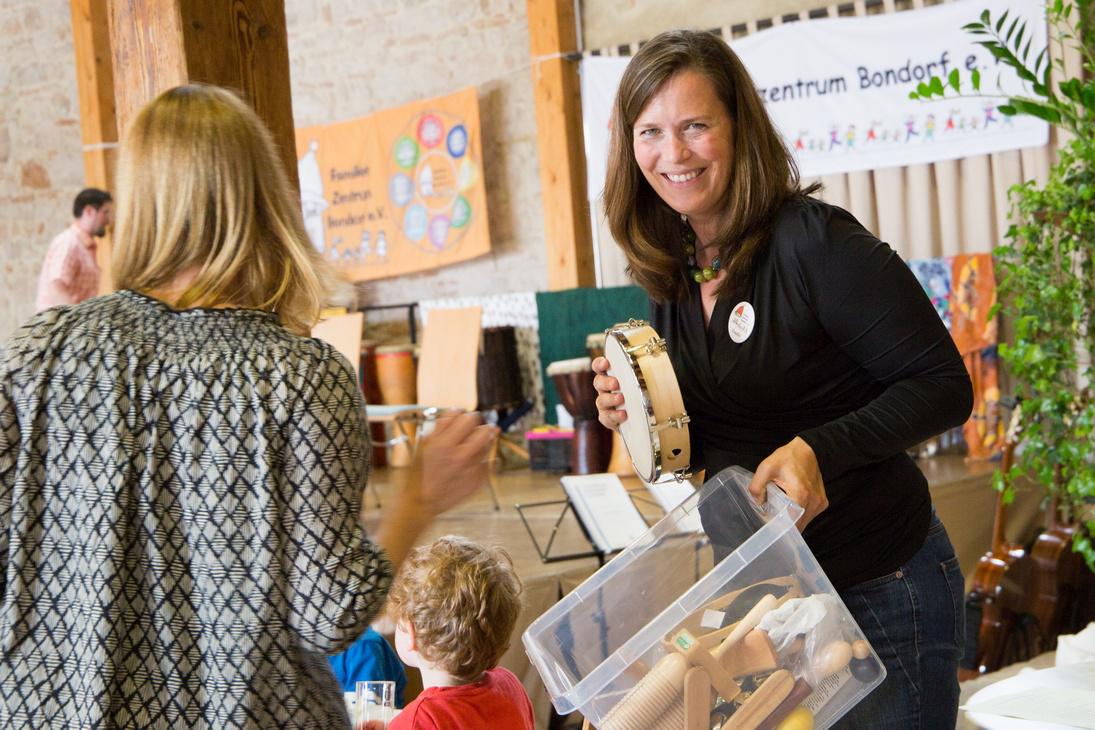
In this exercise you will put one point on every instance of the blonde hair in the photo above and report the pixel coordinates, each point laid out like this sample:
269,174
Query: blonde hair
462,599
201,188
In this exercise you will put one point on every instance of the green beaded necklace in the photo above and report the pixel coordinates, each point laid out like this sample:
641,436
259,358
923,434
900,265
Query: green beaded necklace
707,273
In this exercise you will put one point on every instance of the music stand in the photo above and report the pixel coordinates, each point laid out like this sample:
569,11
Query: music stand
594,552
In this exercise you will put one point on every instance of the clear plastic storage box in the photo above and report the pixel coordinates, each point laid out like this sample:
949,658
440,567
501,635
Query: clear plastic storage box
720,616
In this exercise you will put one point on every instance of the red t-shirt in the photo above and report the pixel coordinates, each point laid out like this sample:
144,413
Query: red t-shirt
496,701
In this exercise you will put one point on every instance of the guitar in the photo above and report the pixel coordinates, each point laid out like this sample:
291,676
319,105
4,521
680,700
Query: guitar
1062,598
998,600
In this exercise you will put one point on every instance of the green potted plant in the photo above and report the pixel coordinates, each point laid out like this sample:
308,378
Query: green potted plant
1046,270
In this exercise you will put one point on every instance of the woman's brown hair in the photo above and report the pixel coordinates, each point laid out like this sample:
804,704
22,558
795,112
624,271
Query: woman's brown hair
763,174
201,188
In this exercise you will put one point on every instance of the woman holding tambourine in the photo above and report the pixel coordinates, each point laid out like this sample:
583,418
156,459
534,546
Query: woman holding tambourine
805,351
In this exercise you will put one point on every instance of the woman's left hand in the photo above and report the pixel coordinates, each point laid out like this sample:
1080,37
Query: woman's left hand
793,467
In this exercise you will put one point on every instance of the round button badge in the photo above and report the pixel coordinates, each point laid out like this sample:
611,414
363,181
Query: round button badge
742,319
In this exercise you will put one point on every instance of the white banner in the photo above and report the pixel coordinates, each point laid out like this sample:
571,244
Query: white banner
837,88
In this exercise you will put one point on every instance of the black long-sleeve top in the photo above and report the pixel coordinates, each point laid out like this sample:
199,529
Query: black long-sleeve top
845,351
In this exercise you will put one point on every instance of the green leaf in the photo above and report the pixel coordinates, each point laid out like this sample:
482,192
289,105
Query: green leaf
953,79
1041,58
1011,29
936,86
924,90
1007,110
975,79
1001,21
1072,89
1036,109
913,95
985,16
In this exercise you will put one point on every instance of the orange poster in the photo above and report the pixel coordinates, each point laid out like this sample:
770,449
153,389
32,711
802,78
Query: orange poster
399,191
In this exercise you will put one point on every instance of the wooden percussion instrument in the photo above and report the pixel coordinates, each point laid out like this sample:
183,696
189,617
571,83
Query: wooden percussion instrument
656,429
498,373
618,460
395,374
370,386
592,441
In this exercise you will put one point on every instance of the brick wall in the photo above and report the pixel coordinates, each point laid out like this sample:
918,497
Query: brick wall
41,167
348,58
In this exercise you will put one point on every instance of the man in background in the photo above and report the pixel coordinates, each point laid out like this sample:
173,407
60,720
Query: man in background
70,273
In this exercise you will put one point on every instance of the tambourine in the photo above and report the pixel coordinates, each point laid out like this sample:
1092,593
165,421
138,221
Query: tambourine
656,429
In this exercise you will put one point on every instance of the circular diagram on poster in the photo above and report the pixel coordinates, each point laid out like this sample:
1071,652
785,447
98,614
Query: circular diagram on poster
431,174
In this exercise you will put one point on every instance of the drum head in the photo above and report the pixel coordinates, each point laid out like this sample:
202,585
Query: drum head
636,429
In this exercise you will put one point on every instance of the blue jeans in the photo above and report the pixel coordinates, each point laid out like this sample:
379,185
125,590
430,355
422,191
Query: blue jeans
914,620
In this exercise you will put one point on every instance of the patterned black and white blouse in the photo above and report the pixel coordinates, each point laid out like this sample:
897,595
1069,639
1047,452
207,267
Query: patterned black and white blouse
179,544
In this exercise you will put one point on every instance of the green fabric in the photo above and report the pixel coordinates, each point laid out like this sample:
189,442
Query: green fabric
567,317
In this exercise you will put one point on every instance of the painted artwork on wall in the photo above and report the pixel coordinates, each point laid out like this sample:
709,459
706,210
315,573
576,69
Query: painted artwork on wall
399,191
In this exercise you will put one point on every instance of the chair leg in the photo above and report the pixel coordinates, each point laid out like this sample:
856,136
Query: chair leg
492,460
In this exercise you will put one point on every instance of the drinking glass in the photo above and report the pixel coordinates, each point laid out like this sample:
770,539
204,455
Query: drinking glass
375,704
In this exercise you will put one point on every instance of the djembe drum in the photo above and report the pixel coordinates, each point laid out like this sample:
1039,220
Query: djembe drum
499,371
370,386
395,374
592,441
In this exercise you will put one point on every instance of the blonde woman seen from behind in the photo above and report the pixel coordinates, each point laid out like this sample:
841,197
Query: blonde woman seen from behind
181,467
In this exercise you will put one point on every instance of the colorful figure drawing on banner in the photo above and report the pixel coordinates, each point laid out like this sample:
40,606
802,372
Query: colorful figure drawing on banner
432,174
990,116
910,129
312,202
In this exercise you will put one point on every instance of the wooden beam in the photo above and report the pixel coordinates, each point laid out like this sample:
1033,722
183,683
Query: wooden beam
241,45
560,144
98,124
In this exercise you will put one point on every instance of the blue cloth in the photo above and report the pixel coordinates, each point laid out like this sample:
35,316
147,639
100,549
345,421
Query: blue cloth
370,657
914,620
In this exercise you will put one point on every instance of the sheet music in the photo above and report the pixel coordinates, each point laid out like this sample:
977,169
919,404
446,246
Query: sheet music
671,494
1065,706
605,509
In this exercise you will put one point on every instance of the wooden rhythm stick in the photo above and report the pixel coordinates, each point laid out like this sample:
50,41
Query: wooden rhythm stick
712,639
763,702
747,624
697,699
642,707
686,644
790,581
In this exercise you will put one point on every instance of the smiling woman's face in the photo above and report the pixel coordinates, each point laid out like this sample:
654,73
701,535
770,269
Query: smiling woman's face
682,144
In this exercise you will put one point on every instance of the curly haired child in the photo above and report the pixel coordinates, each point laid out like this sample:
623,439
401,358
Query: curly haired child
455,603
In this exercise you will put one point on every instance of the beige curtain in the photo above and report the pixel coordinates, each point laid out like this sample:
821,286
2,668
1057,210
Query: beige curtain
939,209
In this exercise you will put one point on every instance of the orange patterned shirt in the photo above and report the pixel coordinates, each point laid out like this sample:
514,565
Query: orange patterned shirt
70,273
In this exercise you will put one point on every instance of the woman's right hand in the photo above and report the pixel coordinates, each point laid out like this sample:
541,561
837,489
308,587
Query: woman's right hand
608,396
451,462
